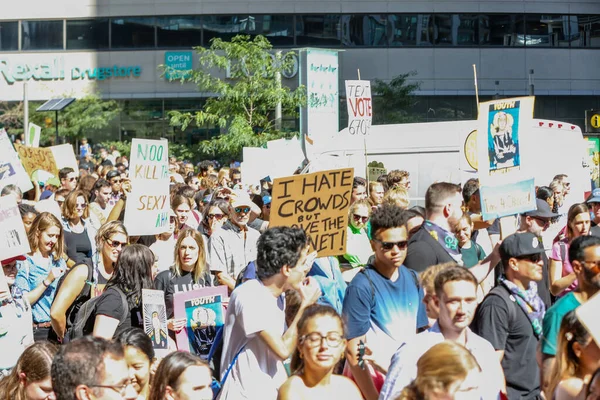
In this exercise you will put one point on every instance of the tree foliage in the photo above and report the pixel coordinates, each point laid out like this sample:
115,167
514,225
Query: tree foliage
393,101
243,104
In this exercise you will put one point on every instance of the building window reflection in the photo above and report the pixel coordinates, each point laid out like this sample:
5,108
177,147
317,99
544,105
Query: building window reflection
42,35
456,30
502,30
133,32
585,30
365,30
411,29
224,27
279,29
9,36
183,31
318,30
87,34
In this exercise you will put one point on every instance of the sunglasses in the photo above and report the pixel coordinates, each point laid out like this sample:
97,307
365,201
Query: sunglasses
116,181
218,217
359,218
534,258
115,244
72,179
268,206
82,206
593,266
387,246
542,221
245,210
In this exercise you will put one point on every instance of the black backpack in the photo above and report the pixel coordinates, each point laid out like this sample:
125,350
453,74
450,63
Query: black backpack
84,321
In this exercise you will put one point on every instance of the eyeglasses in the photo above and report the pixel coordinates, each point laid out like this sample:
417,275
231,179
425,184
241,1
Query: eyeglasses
362,218
595,269
268,206
543,221
113,181
244,210
60,202
72,179
218,217
534,258
121,389
82,206
387,246
116,244
315,339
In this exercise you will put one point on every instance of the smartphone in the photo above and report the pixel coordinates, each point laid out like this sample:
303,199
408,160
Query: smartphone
361,354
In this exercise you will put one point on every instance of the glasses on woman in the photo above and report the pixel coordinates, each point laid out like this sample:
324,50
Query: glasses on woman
81,206
115,244
218,217
314,339
359,218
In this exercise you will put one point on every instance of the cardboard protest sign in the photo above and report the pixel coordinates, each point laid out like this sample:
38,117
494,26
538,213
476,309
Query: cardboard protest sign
506,178
203,311
12,232
33,135
155,320
317,203
11,169
34,158
375,173
148,204
360,107
65,157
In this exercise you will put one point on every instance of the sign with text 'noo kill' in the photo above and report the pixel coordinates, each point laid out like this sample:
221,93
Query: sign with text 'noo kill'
148,204
317,203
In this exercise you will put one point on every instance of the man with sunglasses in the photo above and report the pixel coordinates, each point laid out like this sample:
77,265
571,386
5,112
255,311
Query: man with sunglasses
233,246
68,178
584,255
114,178
510,316
383,305
594,203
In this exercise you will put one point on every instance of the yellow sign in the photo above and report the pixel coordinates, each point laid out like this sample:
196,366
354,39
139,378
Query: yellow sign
471,149
35,158
595,121
317,203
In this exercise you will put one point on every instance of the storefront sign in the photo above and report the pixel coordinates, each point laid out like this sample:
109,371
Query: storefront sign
177,62
54,70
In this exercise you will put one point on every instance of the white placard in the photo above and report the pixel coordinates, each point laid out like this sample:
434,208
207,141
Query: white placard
148,204
65,157
360,107
13,238
11,168
33,135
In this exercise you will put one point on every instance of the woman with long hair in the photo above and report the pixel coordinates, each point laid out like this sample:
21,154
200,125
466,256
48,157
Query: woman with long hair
189,272
38,274
321,346
30,378
139,355
120,305
182,375
183,210
85,280
358,245
562,277
79,233
577,357
444,370
215,217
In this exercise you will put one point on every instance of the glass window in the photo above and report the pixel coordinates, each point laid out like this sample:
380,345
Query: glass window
318,30
546,30
9,36
42,35
87,34
179,31
364,30
132,32
456,29
224,26
502,30
585,30
279,29
411,29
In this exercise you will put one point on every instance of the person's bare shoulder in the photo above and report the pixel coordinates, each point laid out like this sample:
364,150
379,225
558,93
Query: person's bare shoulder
346,388
570,389
292,389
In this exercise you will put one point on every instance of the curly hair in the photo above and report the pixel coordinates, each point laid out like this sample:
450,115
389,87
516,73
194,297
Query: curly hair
278,247
387,216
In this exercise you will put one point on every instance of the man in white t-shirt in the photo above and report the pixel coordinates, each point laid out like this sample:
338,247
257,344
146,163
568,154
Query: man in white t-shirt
256,340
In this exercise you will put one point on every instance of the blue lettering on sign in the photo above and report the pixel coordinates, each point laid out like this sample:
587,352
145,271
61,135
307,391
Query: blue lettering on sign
177,62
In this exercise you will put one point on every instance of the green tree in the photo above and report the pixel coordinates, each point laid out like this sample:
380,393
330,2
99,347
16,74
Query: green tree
394,100
243,104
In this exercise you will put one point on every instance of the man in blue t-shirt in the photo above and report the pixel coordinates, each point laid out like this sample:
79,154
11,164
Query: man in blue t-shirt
383,306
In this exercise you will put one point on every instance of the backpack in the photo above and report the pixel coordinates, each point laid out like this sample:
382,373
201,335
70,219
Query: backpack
84,323
85,293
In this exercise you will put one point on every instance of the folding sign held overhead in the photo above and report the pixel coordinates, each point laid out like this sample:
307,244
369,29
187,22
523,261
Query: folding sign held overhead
360,109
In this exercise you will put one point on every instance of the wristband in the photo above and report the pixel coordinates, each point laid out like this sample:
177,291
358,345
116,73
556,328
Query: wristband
45,284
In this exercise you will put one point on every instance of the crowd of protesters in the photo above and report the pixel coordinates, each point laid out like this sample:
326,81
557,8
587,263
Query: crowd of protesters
426,303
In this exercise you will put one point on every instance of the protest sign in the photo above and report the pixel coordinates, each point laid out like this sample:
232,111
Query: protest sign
12,232
203,311
360,108
34,158
504,157
375,173
65,157
317,203
33,135
11,169
155,320
148,204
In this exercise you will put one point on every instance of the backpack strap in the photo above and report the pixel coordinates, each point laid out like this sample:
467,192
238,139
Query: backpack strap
510,301
125,306
563,251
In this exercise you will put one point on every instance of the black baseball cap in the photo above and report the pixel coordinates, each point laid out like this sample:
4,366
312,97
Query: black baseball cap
519,245
543,210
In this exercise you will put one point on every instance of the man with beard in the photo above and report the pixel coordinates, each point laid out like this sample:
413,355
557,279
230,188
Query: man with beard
584,255
435,242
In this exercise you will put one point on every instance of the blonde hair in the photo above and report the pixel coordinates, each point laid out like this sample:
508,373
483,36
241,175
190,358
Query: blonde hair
355,205
200,267
427,277
69,207
439,369
397,196
109,229
40,224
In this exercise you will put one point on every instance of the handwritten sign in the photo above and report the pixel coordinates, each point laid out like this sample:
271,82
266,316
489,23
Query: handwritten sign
12,232
148,204
33,135
317,203
155,320
504,157
35,158
203,311
360,107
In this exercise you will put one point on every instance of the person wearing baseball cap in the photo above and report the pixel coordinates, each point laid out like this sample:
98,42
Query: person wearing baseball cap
510,317
594,202
233,246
